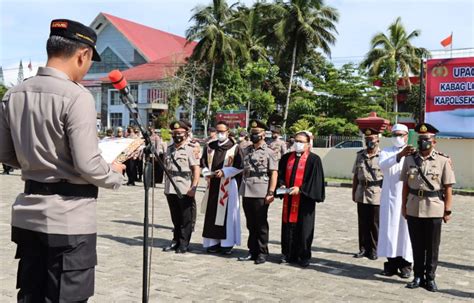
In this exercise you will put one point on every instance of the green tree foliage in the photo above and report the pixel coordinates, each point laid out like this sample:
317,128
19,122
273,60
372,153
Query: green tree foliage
3,90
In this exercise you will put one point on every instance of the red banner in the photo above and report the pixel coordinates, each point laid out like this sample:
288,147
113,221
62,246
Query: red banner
235,119
450,95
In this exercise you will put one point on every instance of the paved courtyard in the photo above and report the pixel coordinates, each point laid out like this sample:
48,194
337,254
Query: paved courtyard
333,276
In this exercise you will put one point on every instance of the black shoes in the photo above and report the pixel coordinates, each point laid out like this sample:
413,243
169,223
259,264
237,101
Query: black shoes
360,254
405,272
248,257
260,259
304,263
214,249
284,260
372,256
363,253
226,250
417,282
172,246
431,286
181,250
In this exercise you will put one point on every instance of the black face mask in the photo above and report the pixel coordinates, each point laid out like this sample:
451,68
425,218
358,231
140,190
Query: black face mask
370,144
178,139
255,138
424,145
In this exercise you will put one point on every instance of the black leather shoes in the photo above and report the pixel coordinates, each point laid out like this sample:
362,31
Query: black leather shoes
260,259
417,282
431,286
172,246
181,250
360,254
214,249
226,251
304,263
405,273
372,257
248,257
284,260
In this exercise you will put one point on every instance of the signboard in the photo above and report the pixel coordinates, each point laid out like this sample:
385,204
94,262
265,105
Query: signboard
450,96
235,118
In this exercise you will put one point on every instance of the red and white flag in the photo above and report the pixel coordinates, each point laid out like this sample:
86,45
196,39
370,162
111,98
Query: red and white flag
447,41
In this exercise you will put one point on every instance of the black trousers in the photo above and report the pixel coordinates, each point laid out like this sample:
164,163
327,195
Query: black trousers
182,217
425,236
139,168
256,212
54,268
368,216
158,171
131,170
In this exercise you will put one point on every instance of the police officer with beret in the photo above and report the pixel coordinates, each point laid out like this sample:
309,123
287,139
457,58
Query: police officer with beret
183,166
428,178
258,189
48,130
366,190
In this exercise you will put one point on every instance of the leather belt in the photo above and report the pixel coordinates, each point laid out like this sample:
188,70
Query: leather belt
255,174
425,193
61,188
183,174
372,183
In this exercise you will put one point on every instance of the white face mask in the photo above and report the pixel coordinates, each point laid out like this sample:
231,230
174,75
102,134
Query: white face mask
221,137
398,141
299,147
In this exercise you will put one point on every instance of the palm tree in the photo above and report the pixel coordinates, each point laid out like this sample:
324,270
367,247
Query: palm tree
302,26
212,29
393,56
248,28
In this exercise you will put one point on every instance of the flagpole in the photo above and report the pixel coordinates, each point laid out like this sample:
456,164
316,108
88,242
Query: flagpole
451,44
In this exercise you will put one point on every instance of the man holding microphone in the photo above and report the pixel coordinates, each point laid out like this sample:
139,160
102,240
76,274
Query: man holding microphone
48,130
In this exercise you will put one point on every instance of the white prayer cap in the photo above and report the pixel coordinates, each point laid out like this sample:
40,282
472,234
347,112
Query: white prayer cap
399,127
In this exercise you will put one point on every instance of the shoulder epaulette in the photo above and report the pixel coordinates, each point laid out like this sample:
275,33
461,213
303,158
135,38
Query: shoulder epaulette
361,151
441,154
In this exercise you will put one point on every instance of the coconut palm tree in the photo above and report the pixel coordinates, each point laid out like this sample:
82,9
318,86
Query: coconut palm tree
216,44
302,26
393,56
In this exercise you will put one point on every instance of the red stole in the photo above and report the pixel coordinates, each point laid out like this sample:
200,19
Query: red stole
295,199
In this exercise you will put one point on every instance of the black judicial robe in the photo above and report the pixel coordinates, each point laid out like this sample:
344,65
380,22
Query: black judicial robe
211,230
297,238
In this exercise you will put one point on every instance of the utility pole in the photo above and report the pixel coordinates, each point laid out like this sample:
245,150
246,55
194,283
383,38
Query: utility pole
191,115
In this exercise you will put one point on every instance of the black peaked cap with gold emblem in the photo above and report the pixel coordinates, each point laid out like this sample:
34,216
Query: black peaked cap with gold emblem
426,129
370,131
179,124
257,124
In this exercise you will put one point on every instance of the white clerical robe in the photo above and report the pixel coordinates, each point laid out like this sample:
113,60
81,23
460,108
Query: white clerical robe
394,240
232,216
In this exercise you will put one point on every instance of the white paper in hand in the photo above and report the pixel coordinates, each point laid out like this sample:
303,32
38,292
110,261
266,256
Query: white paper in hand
111,149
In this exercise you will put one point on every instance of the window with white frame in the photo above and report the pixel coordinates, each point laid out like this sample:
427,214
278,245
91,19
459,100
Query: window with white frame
115,119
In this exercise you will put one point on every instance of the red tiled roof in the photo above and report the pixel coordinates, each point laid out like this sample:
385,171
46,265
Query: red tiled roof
151,42
153,71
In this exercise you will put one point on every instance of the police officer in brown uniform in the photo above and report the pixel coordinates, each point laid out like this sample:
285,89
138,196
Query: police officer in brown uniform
277,144
184,169
366,190
48,130
427,177
257,189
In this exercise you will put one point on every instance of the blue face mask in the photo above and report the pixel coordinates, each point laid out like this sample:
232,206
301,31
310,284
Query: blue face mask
370,144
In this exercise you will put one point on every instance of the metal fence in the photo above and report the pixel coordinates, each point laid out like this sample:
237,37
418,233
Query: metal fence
332,140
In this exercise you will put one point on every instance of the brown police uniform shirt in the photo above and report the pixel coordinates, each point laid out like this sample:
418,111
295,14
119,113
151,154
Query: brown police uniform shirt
48,129
437,168
258,164
179,162
367,194
279,147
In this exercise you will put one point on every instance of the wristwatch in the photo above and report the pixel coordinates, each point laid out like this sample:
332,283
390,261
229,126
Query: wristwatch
270,193
447,212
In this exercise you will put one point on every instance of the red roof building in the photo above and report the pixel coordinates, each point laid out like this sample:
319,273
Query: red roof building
146,56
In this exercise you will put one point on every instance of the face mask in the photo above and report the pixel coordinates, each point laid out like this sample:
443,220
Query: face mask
178,139
299,147
424,145
370,144
255,138
221,137
398,141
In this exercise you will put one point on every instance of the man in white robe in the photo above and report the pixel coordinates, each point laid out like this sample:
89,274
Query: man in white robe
394,240
222,164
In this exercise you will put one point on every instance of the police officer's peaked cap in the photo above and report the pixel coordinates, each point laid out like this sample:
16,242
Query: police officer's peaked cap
75,31
370,131
257,124
275,128
179,124
426,129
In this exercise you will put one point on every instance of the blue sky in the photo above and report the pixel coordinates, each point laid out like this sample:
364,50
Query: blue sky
25,24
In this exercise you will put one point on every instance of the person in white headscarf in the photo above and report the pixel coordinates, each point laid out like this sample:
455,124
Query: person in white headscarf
394,240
